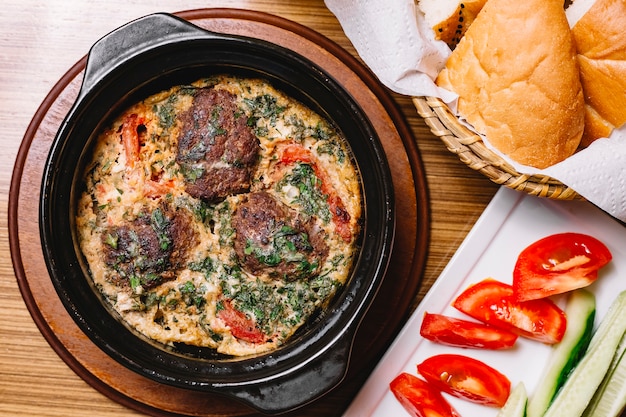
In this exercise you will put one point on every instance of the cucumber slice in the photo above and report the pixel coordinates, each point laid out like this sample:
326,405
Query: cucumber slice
515,405
581,312
587,376
610,398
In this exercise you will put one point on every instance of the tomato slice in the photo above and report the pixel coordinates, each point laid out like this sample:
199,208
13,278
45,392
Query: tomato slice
463,333
494,302
341,218
240,326
557,264
419,398
130,138
467,378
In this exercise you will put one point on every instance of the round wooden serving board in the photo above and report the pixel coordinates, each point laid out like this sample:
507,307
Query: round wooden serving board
382,321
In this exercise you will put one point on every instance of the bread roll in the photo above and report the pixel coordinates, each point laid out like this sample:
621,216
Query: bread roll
450,18
516,75
596,127
600,38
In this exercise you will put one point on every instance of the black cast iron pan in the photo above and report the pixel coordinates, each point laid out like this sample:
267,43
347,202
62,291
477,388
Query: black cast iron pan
152,54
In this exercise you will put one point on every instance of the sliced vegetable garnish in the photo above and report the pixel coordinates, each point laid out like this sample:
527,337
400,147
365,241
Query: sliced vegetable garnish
494,302
582,383
610,397
516,404
557,264
419,398
464,333
581,312
467,378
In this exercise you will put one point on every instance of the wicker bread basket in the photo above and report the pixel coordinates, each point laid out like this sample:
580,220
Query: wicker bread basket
471,150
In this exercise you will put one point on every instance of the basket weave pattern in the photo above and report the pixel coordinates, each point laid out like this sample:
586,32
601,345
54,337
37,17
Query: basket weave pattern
471,150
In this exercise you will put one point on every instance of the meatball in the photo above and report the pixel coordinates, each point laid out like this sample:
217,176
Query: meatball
270,239
150,249
217,150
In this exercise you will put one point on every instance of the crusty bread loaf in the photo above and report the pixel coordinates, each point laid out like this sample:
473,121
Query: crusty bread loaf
449,19
517,78
600,38
596,127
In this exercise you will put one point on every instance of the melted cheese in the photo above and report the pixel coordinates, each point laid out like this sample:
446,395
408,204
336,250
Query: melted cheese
186,309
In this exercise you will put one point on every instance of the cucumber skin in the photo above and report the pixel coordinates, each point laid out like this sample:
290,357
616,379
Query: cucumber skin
516,404
600,405
575,395
558,369
577,352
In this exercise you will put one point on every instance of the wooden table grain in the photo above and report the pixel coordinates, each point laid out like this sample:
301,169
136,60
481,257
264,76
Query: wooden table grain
39,42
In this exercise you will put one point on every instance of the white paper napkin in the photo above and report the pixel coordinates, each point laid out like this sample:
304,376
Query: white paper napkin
395,43
392,39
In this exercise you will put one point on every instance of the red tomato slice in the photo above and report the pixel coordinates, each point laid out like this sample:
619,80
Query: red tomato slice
240,326
494,302
463,333
341,218
130,138
467,378
557,264
419,398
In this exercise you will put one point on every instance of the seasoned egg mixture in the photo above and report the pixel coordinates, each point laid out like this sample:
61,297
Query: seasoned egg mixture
219,214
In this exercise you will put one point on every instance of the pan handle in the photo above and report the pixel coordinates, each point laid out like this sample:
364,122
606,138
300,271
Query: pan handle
136,37
312,381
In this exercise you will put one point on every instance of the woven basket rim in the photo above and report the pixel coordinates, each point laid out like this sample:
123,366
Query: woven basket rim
472,151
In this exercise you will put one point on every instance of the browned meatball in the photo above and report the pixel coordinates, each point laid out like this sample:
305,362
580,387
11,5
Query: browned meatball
271,239
217,150
150,249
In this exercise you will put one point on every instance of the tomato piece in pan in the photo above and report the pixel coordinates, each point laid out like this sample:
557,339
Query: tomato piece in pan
494,302
341,218
129,132
558,263
240,325
467,378
453,331
419,398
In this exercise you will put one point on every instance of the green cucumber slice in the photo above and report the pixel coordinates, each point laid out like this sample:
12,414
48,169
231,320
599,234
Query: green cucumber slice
610,398
515,405
581,312
587,376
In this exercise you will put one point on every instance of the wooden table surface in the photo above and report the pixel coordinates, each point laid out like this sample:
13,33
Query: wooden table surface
39,42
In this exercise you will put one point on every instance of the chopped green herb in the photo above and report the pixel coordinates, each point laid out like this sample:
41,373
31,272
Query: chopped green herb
310,198
134,282
263,106
111,240
160,224
167,112
191,172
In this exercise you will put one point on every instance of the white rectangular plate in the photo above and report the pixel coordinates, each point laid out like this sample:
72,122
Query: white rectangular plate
511,222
